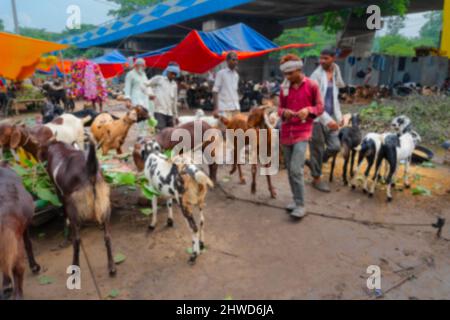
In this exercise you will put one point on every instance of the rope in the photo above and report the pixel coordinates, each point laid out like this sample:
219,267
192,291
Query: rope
323,215
94,280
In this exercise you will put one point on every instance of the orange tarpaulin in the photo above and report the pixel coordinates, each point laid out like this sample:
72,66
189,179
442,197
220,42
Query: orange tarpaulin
19,56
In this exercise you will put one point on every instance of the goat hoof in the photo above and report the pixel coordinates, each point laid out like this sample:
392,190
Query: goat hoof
112,272
170,223
353,187
389,199
243,181
365,191
273,195
36,268
202,245
407,186
151,228
7,293
370,195
192,259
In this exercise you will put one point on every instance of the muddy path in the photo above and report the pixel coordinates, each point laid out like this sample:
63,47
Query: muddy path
254,251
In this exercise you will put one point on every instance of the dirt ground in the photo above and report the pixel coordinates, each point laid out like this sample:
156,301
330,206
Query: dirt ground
254,250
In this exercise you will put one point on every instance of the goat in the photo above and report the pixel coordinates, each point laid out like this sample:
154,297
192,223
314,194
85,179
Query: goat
5,137
57,94
69,129
111,134
30,139
82,190
262,118
350,138
50,112
396,147
180,181
199,115
164,139
238,121
16,213
369,149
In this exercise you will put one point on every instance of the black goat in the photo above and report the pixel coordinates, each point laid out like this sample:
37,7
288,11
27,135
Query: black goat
350,138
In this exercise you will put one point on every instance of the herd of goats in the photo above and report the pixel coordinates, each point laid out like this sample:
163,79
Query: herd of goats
67,143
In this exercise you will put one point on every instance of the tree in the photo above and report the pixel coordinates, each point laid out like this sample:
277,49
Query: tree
398,45
127,7
395,24
2,25
315,35
334,21
433,27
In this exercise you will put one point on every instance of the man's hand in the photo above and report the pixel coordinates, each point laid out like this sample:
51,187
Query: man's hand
288,114
303,114
333,126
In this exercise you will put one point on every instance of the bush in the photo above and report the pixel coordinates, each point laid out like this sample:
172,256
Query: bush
430,116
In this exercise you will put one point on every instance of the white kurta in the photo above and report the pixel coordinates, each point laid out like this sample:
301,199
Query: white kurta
138,91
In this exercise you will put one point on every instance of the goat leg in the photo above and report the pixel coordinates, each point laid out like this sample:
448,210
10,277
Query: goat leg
187,213
34,266
406,174
390,180
273,193
352,163
7,288
202,228
18,273
333,163
241,175
254,169
107,236
152,224
170,215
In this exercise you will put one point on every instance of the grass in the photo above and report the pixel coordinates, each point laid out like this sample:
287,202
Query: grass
429,115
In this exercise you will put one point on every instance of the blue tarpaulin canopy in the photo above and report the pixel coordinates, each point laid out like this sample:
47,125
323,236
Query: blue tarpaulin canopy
114,57
201,51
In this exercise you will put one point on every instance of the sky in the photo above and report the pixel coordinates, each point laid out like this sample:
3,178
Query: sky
51,14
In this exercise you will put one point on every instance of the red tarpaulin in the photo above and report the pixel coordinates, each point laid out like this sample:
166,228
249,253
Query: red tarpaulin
202,51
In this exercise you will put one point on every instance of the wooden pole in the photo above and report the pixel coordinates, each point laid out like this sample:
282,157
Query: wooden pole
61,57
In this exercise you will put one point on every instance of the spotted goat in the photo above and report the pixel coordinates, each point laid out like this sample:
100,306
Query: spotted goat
176,179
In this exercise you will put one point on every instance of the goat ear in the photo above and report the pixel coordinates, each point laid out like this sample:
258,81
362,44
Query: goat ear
16,137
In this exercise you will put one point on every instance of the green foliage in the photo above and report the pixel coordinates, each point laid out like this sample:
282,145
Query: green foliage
2,25
71,52
129,6
334,21
399,45
429,116
433,27
37,182
315,35
395,24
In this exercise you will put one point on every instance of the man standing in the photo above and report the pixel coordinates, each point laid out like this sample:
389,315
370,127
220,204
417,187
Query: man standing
165,89
225,91
136,87
300,104
326,128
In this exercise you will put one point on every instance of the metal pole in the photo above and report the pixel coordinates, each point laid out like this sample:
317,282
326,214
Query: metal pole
16,20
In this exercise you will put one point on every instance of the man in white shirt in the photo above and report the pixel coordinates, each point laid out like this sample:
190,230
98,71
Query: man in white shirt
165,89
225,91
136,89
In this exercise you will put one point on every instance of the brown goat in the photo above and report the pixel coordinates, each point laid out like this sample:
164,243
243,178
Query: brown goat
238,121
82,191
30,139
164,139
111,134
16,213
259,118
